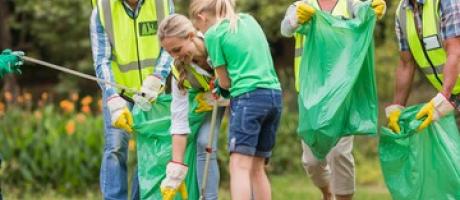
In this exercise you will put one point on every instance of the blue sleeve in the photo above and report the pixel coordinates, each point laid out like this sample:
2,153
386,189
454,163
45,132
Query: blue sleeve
102,53
450,18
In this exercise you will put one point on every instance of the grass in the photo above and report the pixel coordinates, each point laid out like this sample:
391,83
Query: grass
289,187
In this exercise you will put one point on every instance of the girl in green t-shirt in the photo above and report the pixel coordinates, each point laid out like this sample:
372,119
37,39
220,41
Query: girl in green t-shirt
240,55
190,86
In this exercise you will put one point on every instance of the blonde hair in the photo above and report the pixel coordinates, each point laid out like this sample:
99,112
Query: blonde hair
221,9
177,25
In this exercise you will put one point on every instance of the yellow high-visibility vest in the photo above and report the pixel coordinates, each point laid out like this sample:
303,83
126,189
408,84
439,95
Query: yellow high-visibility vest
134,41
429,56
194,79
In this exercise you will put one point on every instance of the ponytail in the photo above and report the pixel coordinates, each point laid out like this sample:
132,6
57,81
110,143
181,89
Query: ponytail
221,9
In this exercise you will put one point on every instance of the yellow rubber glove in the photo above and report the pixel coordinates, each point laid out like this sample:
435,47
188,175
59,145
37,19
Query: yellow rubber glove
433,110
304,12
170,193
174,181
428,112
119,113
379,7
124,121
393,112
204,104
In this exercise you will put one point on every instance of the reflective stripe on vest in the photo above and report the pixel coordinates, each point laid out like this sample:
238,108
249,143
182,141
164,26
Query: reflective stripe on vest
428,52
134,41
342,8
194,79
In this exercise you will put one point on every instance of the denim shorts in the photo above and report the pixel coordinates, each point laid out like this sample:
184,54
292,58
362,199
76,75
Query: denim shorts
255,117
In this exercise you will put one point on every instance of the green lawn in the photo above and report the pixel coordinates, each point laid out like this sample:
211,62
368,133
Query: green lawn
290,187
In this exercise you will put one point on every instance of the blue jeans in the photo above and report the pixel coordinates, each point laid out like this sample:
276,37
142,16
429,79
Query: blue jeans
212,187
254,121
114,173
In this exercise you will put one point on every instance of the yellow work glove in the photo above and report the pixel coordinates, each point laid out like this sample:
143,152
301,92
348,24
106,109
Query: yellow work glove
379,7
169,193
174,181
304,12
204,102
393,112
119,113
433,110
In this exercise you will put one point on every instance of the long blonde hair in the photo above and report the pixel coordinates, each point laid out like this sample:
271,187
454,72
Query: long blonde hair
177,25
221,9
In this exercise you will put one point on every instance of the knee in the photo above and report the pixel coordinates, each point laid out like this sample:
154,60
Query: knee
116,145
310,161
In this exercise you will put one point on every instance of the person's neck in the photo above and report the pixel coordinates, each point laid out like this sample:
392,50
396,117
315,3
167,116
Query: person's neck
327,5
132,3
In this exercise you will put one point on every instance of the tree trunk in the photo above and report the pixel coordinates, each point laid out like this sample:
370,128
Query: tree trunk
10,83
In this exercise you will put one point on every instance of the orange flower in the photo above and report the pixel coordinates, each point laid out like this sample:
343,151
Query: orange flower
70,127
2,109
8,96
81,118
67,106
132,145
99,105
74,96
38,115
44,96
86,109
20,99
86,101
27,97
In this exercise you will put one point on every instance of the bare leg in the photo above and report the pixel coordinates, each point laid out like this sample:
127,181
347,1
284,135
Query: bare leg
259,180
240,176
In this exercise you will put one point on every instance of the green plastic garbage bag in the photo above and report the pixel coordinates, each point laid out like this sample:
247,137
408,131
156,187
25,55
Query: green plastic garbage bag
337,94
154,149
421,165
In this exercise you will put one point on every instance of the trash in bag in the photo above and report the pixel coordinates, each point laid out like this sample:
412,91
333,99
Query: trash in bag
154,149
421,165
338,95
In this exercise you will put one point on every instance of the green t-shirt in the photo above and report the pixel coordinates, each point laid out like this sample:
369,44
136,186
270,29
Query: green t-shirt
244,52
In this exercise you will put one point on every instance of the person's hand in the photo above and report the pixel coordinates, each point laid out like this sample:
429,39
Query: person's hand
218,91
438,107
10,61
174,181
379,7
151,88
119,113
304,12
393,112
205,101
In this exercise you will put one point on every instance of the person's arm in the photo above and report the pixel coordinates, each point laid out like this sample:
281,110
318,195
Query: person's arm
163,66
404,77
405,70
217,58
102,53
222,75
451,68
450,26
179,122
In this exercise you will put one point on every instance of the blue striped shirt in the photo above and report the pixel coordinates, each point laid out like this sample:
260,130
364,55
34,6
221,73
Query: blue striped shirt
102,51
450,21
